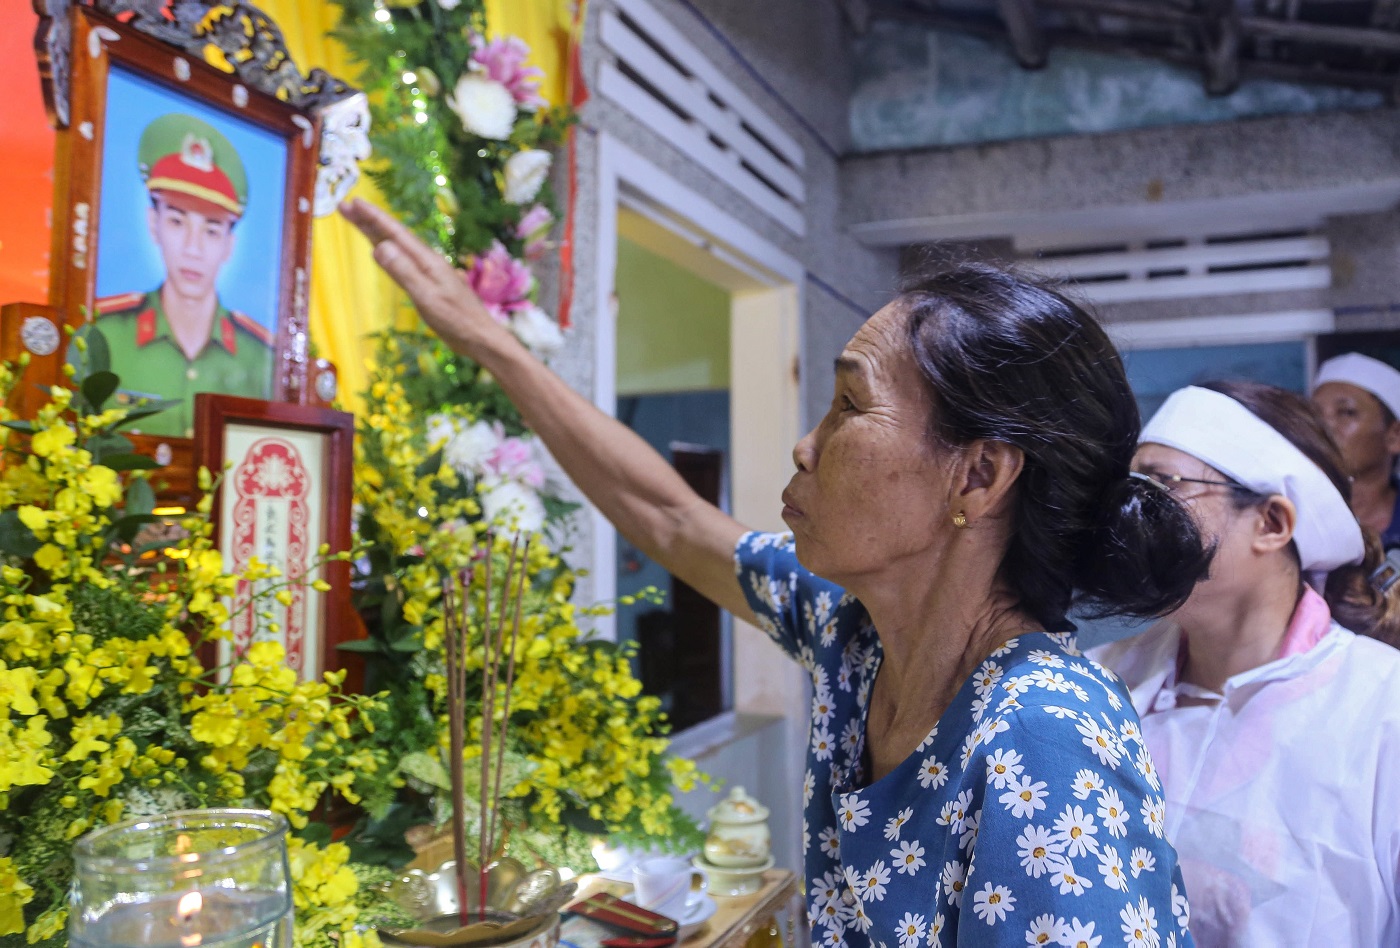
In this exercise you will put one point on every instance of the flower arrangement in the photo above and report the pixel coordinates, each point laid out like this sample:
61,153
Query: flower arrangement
586,752
446,472
462,140
106,710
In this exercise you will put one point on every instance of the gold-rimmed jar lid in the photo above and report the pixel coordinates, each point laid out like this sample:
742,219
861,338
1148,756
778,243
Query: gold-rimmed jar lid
738,807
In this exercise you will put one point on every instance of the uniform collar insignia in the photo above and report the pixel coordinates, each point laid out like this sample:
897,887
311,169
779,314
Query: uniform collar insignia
227,336
146,326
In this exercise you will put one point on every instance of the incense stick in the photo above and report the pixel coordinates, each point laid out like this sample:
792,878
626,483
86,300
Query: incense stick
510,677
488,694
458,626
454,643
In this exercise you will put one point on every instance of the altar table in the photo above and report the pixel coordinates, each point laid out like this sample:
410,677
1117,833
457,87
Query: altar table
740,920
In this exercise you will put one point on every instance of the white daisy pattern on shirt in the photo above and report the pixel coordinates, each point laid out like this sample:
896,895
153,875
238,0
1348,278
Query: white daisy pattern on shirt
1046,930
1113,813
1080,935
872,886
1142,861
908,858
1087,782
1075,831
1003,766
1111,868
896,822
1069,880
1038,851
1024,796
932,773
993,903
854,812
911,930
1030,815
1140,925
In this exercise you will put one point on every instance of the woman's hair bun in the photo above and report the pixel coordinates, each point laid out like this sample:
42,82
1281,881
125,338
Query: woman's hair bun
1144,557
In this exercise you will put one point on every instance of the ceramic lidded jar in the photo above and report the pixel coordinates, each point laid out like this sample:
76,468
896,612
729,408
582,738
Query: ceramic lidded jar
738,832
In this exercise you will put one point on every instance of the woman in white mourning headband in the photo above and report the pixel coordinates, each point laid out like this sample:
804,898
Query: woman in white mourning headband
1359,399
1273,725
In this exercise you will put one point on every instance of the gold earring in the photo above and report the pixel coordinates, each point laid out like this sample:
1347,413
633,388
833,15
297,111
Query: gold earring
960,520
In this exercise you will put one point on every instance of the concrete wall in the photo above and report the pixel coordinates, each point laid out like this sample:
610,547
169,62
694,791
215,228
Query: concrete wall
1337,173
1256,171
918,87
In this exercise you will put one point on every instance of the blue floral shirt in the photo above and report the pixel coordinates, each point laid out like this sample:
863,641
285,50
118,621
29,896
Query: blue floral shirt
1030,815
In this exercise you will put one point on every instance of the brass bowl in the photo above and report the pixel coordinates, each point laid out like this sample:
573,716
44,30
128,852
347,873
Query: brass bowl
510,889
497,930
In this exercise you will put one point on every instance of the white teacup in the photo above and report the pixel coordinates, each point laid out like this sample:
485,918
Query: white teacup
669,885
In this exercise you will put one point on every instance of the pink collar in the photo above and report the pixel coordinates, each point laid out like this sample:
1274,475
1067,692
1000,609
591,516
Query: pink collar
1310,622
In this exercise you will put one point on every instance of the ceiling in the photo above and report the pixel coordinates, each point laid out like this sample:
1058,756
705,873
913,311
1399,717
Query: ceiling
1354,43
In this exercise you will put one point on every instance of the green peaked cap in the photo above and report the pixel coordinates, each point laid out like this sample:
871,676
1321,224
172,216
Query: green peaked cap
185,155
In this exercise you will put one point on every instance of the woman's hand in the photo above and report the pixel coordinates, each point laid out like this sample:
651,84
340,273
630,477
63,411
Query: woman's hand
437,289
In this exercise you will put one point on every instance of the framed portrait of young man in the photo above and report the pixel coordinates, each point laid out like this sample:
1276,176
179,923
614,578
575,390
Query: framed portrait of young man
182,226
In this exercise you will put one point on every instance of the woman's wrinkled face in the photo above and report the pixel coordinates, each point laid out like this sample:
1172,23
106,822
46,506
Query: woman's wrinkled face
1218,516
871,489
1356,421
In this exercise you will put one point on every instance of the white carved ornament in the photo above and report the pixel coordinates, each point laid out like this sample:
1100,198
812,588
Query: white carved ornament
344,144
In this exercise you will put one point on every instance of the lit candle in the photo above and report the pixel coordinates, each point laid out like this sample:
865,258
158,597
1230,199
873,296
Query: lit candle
190,904
197,879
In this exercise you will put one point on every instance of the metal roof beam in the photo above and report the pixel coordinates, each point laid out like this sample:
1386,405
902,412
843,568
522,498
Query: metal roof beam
1027,40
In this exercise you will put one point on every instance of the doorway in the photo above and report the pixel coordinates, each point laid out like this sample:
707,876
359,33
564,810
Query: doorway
673,363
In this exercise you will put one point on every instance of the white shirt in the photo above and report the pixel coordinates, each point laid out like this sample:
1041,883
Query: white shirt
1283,793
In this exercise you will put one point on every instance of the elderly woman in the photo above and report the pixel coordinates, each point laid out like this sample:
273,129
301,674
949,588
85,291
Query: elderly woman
1275,729
972,780
1359,400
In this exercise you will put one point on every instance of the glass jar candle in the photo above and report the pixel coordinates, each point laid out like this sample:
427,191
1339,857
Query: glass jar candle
215,878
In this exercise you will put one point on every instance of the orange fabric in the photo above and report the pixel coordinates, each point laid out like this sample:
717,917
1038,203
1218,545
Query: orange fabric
26,165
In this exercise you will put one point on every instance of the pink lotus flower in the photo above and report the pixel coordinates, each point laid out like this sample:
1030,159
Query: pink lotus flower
503,59
514,459
534,230
501,281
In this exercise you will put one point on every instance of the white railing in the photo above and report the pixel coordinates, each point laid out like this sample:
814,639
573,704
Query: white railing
659,77
1182,268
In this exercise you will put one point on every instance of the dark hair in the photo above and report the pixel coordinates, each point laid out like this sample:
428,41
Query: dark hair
1354,601
1010,359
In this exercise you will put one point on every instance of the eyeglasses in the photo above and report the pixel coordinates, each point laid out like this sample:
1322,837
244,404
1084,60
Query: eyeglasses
1170,481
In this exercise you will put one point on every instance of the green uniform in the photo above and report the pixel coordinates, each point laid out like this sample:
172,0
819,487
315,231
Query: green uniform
236,360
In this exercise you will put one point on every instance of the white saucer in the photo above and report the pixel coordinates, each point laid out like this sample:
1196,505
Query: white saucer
626,859
725,880
697,914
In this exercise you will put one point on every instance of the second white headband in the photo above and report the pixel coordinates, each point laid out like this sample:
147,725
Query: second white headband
1239,444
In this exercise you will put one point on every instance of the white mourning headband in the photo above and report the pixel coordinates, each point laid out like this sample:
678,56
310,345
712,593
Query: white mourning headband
1364,372
1232,439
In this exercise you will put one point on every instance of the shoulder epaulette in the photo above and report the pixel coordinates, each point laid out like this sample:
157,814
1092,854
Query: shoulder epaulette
251,326
118,303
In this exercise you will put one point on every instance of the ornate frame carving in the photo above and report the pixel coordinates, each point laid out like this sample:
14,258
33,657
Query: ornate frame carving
244,36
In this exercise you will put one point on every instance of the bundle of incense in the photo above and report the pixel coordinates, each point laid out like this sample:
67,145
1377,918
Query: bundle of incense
457,632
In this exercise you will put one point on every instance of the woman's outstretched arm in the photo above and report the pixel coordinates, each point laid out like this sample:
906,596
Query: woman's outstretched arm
633,486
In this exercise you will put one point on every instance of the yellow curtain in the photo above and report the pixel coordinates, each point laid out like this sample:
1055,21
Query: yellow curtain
545,26
350,296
